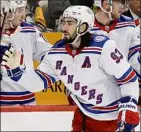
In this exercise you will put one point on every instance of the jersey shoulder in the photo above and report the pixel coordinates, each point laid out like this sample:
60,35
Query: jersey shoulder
27,27
98,40
125,21
123,18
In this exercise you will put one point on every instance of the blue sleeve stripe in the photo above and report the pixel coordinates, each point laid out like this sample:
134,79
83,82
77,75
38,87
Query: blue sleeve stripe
133,51
131,80
137,46
129,76
125,74
132,54
48,80
52,79
43,78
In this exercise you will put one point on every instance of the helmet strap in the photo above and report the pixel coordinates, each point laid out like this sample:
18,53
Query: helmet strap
81,30
76,42
108,12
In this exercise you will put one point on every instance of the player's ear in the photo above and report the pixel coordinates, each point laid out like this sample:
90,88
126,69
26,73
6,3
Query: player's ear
82,29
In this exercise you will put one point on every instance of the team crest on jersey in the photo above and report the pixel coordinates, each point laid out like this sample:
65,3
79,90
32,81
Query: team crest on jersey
99,38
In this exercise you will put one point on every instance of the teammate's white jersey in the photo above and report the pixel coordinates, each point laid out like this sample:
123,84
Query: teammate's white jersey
34,47
127,37
98,76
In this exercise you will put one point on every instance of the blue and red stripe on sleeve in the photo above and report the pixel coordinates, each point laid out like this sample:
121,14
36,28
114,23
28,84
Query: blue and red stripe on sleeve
128,76
48,80
133,51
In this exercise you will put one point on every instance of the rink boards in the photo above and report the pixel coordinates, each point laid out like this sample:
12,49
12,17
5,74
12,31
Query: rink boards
38,118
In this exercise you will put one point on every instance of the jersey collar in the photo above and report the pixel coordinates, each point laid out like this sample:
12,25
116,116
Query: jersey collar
106,28
71,51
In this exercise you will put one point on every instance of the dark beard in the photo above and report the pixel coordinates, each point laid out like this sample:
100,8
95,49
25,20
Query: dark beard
68,40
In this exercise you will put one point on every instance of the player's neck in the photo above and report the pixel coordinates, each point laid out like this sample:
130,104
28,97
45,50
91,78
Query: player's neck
102,18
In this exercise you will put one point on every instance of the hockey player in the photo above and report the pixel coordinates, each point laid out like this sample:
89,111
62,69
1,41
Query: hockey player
102,83
120,28
117,27
23,36
111,23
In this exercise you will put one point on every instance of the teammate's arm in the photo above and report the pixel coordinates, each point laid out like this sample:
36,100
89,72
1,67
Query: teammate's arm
34,80
115,64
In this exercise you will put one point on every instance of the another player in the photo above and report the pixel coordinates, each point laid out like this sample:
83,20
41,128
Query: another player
19,35
120,28
102,83
111,23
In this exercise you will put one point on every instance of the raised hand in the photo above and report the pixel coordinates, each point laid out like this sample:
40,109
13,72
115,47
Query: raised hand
11,58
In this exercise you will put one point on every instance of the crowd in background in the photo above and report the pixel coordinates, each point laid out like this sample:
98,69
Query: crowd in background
50,10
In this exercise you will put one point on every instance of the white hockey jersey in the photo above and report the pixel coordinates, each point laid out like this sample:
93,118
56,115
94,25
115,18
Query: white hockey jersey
98,76
34,47
127,37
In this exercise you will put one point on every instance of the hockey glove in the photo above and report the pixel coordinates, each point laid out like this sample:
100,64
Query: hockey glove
12,60
128,117
3,48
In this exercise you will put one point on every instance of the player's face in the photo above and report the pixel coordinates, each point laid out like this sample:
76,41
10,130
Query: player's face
116,8
69,26
135,6
19,16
